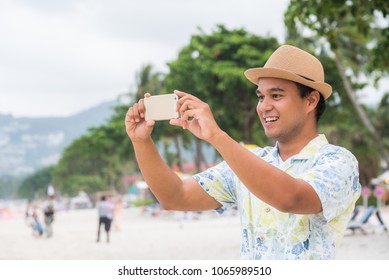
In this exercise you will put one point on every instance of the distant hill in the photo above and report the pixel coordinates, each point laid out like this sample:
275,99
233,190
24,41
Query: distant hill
28,144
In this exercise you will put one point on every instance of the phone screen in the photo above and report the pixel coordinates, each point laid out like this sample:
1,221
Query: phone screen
161,107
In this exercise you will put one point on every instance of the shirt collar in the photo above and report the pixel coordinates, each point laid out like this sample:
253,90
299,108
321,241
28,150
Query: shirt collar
311,148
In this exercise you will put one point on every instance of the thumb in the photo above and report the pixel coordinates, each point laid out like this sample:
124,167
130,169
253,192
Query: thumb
149,126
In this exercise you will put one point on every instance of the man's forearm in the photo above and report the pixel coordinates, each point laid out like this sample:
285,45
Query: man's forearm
164,183
265,181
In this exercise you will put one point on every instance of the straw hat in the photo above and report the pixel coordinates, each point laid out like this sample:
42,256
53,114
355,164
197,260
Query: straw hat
293,64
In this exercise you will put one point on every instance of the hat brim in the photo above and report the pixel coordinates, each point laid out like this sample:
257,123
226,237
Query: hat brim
254,74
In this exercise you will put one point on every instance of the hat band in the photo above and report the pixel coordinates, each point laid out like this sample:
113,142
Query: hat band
305,77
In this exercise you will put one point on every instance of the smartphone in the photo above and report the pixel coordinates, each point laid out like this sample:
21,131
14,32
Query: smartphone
161,107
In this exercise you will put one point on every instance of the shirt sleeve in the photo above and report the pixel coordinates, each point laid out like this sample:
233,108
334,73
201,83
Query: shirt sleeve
335,178
219,182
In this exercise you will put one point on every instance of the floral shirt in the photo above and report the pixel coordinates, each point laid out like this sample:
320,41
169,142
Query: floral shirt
267,233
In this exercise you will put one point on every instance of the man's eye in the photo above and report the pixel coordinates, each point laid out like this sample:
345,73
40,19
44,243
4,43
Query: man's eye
260,98
276,96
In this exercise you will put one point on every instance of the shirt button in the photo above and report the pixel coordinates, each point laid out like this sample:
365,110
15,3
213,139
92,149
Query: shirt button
267,209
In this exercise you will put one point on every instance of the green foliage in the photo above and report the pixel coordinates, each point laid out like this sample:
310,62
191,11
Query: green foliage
88,184
9,186
352,33
36,185
144,202
147,80
97,160
356,28
371,201
382,116
94,155
211,67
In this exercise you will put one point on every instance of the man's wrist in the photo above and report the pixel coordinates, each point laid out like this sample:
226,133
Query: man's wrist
218,138
142,142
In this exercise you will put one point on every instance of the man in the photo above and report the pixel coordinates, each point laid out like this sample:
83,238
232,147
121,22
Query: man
49,211
105,210
295,199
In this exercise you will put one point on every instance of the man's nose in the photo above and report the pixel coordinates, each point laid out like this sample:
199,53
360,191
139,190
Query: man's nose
265,105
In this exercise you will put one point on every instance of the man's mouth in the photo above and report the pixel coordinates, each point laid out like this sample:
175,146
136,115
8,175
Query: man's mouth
271,119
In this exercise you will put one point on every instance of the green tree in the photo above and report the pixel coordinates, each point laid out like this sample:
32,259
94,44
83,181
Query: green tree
86,183
147,80
99,159
211,67
355,38
94,154
382,119
9,186
36,184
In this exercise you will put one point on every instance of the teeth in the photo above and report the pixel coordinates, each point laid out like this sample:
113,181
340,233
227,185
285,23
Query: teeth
271,119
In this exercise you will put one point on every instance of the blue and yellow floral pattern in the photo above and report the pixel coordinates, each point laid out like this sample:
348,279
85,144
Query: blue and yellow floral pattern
270,234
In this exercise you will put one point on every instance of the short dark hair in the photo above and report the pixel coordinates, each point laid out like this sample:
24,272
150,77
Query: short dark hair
321,105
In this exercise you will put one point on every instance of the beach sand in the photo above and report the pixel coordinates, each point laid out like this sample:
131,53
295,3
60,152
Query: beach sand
165,237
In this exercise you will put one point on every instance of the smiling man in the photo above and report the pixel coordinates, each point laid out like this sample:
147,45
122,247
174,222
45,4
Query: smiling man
296,198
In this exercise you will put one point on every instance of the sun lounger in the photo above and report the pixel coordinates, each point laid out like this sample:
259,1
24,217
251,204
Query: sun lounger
380,220
356,212
362,222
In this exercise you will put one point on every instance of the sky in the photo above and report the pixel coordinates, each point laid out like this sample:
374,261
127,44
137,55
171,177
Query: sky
58,58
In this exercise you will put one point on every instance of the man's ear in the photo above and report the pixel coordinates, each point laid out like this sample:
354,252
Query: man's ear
313,98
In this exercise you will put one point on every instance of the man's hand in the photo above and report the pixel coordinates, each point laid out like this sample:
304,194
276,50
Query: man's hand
196,116
138,129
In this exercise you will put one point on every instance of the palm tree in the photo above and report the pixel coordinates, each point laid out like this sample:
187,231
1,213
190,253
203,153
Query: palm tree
346,30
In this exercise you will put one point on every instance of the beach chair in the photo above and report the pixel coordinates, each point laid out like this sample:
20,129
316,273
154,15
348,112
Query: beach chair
360,224
381,221
355,224
356,211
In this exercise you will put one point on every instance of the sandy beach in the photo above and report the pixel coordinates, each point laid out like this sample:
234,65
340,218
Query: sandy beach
165,237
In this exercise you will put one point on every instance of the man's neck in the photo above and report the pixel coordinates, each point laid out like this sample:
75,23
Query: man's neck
291,148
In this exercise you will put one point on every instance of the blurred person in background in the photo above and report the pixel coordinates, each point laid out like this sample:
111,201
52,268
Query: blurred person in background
49,211
105,210
117,213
